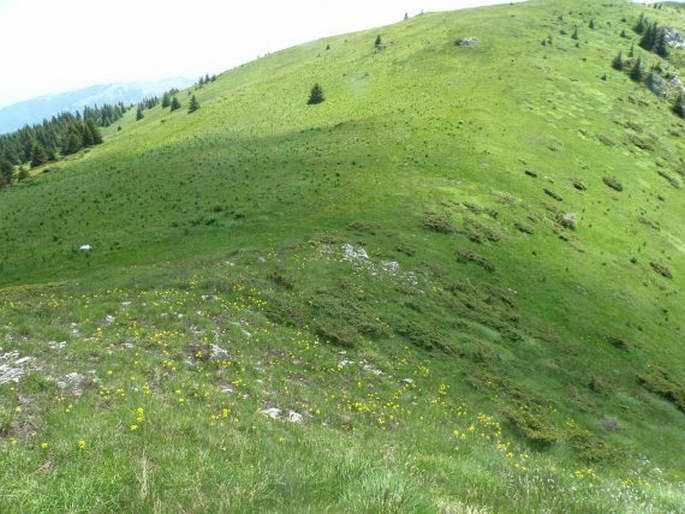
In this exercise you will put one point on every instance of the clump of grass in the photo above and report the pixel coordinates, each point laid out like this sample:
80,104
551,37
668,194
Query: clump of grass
364,227
521,407
673,181
338,332
553,194
590,447
531,422
523,227
464,256
579,185
281,280
426,338
440,222
617,342
658,381
613,183
478,232
661,269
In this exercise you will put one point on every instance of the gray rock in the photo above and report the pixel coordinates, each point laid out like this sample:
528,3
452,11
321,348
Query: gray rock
295,417
273,412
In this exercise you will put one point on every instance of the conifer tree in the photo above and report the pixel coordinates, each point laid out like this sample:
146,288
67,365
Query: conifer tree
194,105
6,172
175,104
636,71
649,38
661,47
641,24
592,24
617,63
378,43
679,105
38,155
316,95
94,132
139,113
575,32
166,100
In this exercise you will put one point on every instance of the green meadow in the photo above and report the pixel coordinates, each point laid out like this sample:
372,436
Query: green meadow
453,286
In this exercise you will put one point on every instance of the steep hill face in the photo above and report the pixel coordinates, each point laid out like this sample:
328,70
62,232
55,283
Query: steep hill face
481,188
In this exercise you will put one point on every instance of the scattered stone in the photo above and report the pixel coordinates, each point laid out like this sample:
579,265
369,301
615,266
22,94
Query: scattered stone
14,369
568,220
109,319
273,412
295,417
54,345
673,38
468,41
9,374
407,380
344,363
218,353
352,254
390,267
85,248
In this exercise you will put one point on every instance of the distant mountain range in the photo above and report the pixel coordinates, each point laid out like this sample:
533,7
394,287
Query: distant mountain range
33,111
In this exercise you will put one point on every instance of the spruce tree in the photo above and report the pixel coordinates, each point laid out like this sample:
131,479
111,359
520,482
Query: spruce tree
175,104
679,106
94,132
640,25
592,24
316,95
378,43
661,47
6,172
166,100
575,32
649,38
139,113
38,155
636,71
617,63
194,105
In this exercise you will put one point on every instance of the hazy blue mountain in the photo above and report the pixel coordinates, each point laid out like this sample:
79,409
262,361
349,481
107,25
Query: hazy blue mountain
36,110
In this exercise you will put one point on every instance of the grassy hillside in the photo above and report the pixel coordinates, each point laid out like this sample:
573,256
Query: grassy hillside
459,280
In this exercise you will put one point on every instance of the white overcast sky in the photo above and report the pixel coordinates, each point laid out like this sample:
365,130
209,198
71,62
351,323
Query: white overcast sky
50,46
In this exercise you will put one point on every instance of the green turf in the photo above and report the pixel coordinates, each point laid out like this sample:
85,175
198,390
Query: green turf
483,358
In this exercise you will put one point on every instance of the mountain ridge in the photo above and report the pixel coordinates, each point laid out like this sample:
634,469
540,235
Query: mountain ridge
35,110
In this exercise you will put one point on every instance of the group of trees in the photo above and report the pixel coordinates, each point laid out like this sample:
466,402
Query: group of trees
205,80
63,134
653,37
654,40
169,100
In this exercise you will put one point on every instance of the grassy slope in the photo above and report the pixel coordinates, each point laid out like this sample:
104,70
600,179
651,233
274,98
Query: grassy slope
420,129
